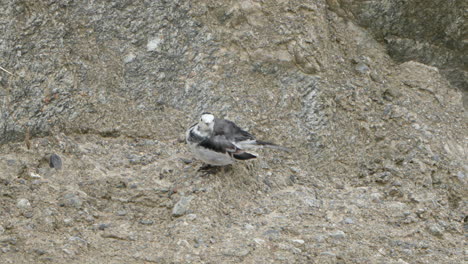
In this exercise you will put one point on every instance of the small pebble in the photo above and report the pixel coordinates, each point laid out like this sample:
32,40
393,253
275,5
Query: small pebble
34,175
319,238
376,197
259,241
28,214
186,161
249,227
375,77
146,222
191,217
129,57
89,218
198,242
293,179
55,161
296,250
312,202
328,254
338,234
8,240
348,221
436,230
121,213
298,241
362,68
78,239
103,226
68,222
181,207
71,200
23,204
67,251
39,252
407,251
271,233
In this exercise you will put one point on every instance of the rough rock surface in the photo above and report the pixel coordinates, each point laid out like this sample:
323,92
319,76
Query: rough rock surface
431,32
378,173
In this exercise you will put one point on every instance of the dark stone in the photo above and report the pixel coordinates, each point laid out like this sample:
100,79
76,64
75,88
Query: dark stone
40,252
55,161
103,226
186,161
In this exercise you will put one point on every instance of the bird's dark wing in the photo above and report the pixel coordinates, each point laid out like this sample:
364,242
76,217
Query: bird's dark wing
244,156
218,143
230,130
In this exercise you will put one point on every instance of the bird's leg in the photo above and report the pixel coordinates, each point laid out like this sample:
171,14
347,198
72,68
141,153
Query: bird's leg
227,168
208,169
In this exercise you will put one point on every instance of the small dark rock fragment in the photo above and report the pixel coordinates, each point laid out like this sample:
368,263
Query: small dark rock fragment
40,252
55,161
103,226
186,161
293,178
121,184
28,214
146,222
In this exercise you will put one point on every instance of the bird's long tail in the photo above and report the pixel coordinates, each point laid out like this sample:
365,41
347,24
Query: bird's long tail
248,144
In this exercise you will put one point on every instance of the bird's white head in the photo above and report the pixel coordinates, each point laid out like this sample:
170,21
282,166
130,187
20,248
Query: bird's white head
206,123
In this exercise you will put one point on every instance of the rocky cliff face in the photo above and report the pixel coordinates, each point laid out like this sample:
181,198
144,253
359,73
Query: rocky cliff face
431,32
378,171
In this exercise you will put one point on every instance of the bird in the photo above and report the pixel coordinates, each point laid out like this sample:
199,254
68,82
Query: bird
220,142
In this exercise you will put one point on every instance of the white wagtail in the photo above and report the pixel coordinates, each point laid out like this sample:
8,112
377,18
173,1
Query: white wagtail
220,142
